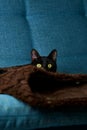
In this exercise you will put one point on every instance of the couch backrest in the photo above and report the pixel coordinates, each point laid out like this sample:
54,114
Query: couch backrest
44,25
60,24
15,35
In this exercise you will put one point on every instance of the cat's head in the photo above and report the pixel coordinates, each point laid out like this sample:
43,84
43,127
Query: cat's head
46,62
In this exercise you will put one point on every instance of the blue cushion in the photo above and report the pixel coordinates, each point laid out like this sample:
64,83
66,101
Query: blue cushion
43,25
15,36
15,114
61,25
85,7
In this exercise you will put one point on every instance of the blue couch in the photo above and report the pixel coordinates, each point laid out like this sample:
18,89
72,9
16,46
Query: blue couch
43,25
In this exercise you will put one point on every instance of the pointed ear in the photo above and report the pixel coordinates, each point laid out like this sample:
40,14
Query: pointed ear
53,55
34,54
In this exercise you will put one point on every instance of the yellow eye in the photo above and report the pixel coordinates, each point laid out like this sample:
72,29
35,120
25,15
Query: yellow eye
49,66
39,65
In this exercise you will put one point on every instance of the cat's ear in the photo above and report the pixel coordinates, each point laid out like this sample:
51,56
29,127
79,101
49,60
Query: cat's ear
53,55
34,54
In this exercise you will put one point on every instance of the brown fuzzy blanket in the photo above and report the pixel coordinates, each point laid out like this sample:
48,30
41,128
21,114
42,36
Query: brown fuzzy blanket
40,88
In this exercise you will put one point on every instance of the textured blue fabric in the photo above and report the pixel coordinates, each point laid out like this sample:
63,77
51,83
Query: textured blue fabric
15,36
85,7
15,114
43,25
61,25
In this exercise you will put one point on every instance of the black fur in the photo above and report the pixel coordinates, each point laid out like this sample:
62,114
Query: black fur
44,61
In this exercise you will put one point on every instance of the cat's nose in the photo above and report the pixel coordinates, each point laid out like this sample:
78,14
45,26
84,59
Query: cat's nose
43,68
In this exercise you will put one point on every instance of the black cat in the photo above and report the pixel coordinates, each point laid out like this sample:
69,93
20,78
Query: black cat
46,62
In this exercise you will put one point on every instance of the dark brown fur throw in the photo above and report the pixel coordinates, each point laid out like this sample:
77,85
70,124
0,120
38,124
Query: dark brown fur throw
40,88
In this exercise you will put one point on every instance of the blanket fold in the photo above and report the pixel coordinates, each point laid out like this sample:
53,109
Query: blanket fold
40,88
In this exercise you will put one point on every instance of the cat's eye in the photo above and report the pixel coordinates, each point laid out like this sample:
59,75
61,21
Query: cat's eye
49,66
39,65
